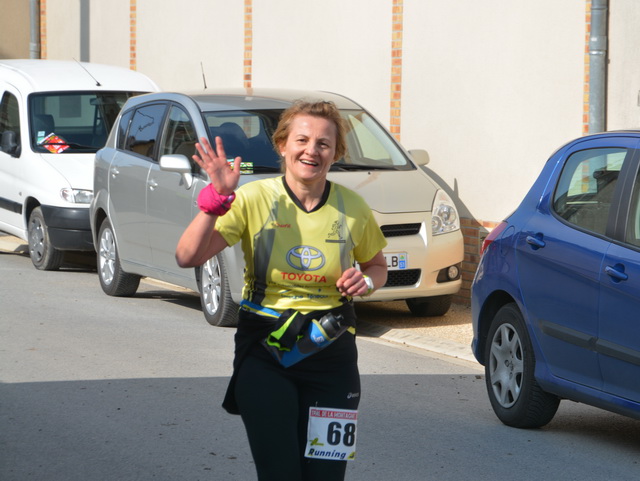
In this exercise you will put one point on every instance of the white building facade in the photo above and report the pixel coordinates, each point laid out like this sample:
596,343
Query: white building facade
490,88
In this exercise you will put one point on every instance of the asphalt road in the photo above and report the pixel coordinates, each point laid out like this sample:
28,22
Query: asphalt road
100,388
391,321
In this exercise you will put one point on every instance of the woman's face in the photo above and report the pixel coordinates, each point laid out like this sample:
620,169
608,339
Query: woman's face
309,149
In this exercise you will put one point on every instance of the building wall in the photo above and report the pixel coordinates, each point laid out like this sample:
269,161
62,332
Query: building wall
178,40
623,108
15,32
62,22
490,89
109,40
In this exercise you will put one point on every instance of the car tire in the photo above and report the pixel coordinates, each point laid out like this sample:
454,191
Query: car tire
515,395
429,306
215,296
44,256
113,280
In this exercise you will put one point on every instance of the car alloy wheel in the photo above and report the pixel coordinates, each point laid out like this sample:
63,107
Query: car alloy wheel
113,280
215,297
515,395
506,365
106,256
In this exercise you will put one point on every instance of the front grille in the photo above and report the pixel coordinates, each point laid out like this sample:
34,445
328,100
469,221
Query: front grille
396,230
405,277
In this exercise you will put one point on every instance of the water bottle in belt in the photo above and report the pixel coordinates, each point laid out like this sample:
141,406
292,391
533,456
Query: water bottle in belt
319,334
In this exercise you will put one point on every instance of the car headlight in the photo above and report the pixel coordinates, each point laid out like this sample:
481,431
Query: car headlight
77,196
444,215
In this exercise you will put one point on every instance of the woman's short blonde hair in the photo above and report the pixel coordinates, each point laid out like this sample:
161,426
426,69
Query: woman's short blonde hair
318,108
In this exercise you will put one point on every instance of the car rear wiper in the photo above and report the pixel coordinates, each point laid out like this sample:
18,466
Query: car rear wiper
338,166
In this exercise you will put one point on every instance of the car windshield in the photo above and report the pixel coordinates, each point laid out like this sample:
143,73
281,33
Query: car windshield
73,122
248,134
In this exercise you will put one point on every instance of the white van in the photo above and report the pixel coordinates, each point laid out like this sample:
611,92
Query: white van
54,116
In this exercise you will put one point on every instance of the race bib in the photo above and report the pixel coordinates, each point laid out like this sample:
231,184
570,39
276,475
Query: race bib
331,434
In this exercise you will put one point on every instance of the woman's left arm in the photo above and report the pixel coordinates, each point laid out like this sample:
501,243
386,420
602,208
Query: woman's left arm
352,282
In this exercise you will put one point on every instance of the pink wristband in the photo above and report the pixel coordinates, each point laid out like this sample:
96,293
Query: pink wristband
210,202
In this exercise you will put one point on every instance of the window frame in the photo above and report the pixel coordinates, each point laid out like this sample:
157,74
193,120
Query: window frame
123,144
621,199
4,101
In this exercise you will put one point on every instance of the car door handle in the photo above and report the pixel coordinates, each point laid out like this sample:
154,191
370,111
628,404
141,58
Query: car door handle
152,184
536,241
616,272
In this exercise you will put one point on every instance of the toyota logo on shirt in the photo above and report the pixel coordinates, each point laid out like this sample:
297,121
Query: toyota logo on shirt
305,258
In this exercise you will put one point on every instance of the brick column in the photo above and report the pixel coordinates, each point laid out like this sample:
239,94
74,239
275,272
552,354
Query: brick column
474,232
396,69
133,20
43,28
248,43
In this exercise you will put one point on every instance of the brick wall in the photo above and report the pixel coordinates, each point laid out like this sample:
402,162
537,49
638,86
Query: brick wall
396,69
43,28
133,23
248,43
474,231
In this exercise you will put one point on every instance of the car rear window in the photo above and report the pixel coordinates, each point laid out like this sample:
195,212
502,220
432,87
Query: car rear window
585,189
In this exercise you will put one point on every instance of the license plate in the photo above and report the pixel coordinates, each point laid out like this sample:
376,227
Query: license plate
397,261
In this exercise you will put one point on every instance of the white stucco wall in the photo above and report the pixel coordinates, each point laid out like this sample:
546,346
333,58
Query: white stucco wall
335,45
490,89
15,29
63,29
176,37
623,109
109,23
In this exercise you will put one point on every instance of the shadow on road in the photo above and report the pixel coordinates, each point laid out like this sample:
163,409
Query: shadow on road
174,428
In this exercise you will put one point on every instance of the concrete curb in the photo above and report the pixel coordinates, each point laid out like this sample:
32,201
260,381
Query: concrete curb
14,245
9,243
400,336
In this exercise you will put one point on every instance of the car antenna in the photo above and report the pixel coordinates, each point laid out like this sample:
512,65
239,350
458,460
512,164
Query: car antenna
89,73
204,80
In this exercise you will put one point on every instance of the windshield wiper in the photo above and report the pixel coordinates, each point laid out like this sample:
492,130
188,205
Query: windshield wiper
70,144
337,166
257,169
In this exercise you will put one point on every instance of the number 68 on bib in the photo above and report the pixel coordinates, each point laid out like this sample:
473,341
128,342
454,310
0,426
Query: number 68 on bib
331,434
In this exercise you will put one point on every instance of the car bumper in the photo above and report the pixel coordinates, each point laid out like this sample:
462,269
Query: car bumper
427,260
68,228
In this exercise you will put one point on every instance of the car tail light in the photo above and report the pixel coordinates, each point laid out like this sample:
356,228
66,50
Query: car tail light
493,235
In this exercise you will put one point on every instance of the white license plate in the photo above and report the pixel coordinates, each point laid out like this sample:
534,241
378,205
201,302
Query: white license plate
396,261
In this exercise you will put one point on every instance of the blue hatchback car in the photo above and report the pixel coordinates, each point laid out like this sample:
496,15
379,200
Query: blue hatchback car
556,297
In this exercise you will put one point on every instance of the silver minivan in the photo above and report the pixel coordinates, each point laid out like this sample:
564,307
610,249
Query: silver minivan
146,185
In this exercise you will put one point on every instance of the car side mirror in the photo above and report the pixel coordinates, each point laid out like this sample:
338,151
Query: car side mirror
9,143
419,156
180,164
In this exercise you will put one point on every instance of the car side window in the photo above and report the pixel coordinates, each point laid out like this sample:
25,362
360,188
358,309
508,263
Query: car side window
585,189
10,125
144,130
179,136
123,127
633,225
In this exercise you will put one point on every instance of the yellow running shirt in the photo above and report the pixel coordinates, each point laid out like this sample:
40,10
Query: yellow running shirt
294,258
